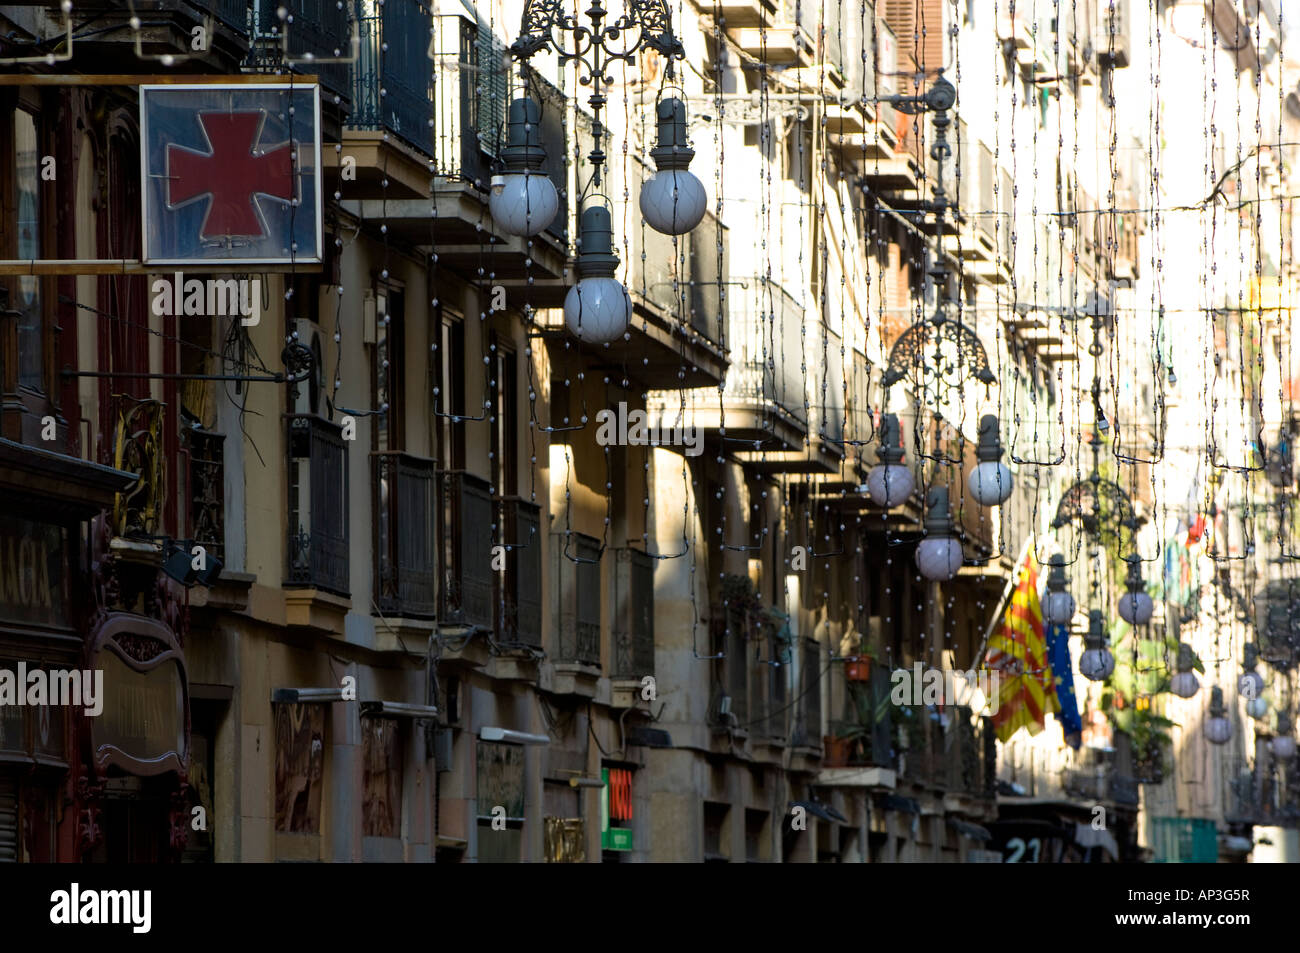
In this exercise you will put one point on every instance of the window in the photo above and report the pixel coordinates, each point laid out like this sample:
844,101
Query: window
448,374
504,421
756,839
716,834
28,299
389,379
299,767
500,780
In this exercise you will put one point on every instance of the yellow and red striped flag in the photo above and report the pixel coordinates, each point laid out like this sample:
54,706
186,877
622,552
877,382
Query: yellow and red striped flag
1018,652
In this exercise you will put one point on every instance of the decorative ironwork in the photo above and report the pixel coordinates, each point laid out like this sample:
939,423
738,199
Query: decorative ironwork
207,474
938,354
519,607
137,448
579,576
647,23
465,548
1099,505
404,544
318,493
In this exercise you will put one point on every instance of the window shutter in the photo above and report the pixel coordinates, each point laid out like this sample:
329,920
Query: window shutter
491,90
909,19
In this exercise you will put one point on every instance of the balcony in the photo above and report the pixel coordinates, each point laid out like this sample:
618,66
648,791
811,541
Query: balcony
519,607
165,29
958,759
633,645
404,493
785,37
389,133
317,569
577,607
319,31
465,546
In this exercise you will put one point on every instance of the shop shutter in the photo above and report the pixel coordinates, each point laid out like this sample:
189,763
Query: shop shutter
8,820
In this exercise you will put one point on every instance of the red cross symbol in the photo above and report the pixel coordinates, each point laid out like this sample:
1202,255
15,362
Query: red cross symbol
233,174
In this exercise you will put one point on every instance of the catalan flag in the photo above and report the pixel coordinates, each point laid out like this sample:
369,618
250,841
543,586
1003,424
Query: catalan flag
1018,652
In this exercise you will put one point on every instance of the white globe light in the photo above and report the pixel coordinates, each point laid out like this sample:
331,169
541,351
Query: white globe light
1250,685
1218,730
673,201
1096,664
597,310
1058,608
1135,608
1185,684
939,557
1283,747
889,484
990,483
523,203
1257,708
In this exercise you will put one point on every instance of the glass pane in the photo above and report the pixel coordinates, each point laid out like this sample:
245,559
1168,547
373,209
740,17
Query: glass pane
30,349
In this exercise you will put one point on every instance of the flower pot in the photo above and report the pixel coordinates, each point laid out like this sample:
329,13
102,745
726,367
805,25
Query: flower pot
836,751
857,668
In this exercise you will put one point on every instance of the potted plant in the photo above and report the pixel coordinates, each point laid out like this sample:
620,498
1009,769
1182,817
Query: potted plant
857,668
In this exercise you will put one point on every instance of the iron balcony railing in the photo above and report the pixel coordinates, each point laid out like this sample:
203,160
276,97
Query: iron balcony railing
318,510
825,376
465,548
232,13
405,574
205,487
519,605
319,31
392,79
810,711
634,617
959,757
577,560
765,336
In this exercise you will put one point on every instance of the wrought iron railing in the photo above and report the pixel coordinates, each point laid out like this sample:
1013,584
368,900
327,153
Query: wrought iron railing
634,622
578,562
764,333
233,13
392,79
465,548
810,707
825,374
206,490
319,31
519,607
405,567
318,510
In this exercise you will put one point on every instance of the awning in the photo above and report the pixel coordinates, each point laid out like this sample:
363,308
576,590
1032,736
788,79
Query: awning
904,805
649,737
398,710
302,696
824,811
967,829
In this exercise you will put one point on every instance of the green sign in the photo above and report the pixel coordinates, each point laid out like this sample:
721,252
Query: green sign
611,838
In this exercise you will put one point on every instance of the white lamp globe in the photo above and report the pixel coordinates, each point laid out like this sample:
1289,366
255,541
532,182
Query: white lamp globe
1185,684
1058,608
939,557
1135,608
598,310
889,484
1283,747
1217,727
1218,730
673,201
523,203
1250,685
1257,708
1096,664
990,482
523,200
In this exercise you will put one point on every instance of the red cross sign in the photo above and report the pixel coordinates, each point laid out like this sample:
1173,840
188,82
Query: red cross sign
232,175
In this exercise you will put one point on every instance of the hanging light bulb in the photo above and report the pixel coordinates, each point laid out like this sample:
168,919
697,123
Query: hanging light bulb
673,199
523,200
990,482
939,554
1250,685
889,482
1135,606
1059,606
597,309
1283,744
1257,708
1184,684
1218,729
1096,663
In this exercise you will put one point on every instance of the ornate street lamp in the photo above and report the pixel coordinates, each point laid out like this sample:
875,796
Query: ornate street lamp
939,554
1250,685
1283,743
1097,662
889,482
1185,684
1096,504
1135,606
1059,606
990,482
673,200
1218,729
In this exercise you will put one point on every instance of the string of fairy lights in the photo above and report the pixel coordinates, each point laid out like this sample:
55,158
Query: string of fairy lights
812,221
